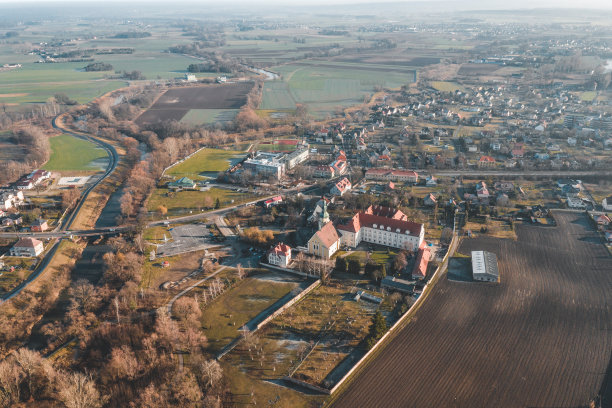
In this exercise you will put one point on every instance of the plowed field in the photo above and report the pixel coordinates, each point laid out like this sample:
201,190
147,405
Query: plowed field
175,103
540,338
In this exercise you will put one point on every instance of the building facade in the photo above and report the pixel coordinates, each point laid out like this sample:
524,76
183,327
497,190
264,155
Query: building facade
383,226
325,242
280,255
27,247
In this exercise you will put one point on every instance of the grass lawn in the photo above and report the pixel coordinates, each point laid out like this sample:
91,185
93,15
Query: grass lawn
186,200
380,257
223,317
588,96
206,160
444,86
23,268
70,153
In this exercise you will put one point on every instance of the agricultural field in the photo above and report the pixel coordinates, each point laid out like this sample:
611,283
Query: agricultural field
541,337
175,103
324,87
70,153
198,117
206,162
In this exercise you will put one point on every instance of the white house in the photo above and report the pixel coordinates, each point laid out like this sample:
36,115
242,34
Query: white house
431,181
383,226
607,203
280,255
11,199
28,247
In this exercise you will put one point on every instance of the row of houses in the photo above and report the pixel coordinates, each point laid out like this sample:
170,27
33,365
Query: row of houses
11,199
336,168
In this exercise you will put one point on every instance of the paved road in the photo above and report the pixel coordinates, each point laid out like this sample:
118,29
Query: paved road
510,173
62,234
112,164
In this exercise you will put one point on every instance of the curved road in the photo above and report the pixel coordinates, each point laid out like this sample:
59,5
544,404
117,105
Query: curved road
112,164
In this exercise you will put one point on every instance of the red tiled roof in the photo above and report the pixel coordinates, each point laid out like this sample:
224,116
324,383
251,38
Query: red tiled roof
420,266
487,159
343,184
384,216
27,243
274,199
328,234
281,249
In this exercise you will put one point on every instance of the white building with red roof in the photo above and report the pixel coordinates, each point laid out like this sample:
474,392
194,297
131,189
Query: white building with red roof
341,187
486,161
383,226
280,255
28,247
273,201
407,176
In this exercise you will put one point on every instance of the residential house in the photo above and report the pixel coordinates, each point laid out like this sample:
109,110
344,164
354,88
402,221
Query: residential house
12,219
341,187
431,181
182,184
273,201
603,222
11,199
607,203
573,202
280,255
27,247
430,200
422,261
392,175
505,186
39,225
486,162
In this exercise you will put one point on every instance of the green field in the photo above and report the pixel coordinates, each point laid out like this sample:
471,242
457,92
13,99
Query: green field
69,153
206,116
183,201
276,96
206,160
588,96
327,86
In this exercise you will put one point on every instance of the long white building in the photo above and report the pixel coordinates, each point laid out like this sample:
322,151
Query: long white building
383,226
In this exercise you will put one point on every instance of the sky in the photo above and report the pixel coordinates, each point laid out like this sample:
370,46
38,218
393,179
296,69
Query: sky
496,4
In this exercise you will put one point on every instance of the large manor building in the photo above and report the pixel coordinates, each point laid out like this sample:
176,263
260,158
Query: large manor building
382,226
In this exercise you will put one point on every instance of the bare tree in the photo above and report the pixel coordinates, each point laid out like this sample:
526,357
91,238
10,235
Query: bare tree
211,372
77,390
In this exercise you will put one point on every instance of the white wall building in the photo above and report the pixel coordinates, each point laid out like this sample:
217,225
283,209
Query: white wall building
382,226
280,255
28,247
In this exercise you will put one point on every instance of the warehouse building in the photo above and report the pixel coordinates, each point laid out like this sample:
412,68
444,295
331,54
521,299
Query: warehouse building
484,266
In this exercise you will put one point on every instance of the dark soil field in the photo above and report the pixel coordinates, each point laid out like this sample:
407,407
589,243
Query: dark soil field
540,338
175,103
478,69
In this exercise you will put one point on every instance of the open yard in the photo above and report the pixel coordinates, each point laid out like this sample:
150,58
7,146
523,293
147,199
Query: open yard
327,320
175,103
541,337
207,160
70,153
180,203
223,317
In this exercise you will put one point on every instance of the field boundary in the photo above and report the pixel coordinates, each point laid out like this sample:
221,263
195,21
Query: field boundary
268,319
400,322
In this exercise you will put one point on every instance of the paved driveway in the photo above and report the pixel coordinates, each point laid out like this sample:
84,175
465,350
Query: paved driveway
187,238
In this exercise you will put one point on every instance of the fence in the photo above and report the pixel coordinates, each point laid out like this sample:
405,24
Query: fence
402,319
268,319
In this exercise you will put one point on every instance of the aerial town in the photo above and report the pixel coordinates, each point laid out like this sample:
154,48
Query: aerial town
292,206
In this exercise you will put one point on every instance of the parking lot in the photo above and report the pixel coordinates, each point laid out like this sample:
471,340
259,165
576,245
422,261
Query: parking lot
186,238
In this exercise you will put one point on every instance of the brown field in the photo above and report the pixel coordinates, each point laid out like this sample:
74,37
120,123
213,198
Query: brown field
540,338
478,69
175,103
